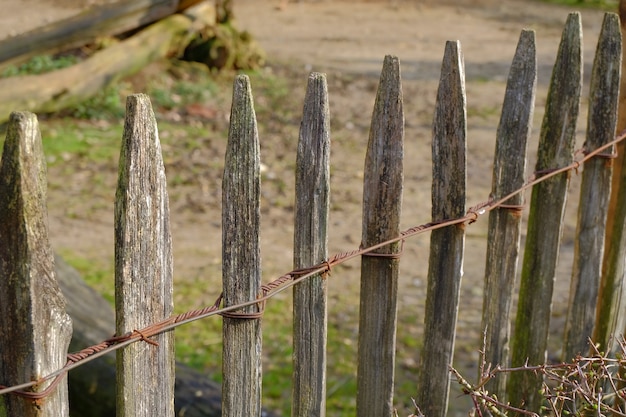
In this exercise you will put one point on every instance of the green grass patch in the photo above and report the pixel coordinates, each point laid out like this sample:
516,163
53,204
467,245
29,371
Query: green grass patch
483,112
106,105
199,344
98,275
66,139
272,93
39,65
70,139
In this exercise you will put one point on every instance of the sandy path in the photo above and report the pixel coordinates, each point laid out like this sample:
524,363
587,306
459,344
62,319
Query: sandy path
341,35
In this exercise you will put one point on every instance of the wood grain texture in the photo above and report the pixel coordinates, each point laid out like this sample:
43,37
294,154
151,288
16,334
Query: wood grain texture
609,320
382,204
505,224
35,330
545,218
241,257
143,266
445,267
594,197
310,315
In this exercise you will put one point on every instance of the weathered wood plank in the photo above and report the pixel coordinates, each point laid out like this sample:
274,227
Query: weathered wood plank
143,267
35,330
241,258
445,267
60,89
97,21
612,287
509,174
594,197
545,218
382,204
310,315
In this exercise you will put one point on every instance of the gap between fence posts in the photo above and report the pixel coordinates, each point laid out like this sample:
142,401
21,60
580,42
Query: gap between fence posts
382,204
310,315
545,219
241,258
445,264
594,194
143,267
35,327
505,223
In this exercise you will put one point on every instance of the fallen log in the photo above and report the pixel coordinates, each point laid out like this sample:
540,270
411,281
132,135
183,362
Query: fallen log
92,386
98,21
63,88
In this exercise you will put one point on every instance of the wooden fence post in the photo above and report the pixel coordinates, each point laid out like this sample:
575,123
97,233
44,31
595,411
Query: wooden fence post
143,267
382,204
505,223
310,317
241,258
35,330
594,195
610,321
615,239
545,219
445,267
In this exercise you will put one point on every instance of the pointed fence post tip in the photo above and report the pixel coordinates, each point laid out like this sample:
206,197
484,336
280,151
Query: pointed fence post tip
35,327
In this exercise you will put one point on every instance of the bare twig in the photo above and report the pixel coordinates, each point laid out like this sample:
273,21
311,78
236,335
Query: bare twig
574,388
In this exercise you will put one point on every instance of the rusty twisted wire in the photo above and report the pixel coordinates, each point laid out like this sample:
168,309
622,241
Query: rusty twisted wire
288,280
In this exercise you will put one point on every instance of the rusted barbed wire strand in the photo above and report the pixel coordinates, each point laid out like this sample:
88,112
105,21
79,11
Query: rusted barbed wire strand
288,280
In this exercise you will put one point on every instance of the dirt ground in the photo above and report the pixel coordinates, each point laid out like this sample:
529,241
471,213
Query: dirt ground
347,41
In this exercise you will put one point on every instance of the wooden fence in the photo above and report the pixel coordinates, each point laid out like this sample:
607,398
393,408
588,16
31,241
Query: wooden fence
35,330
